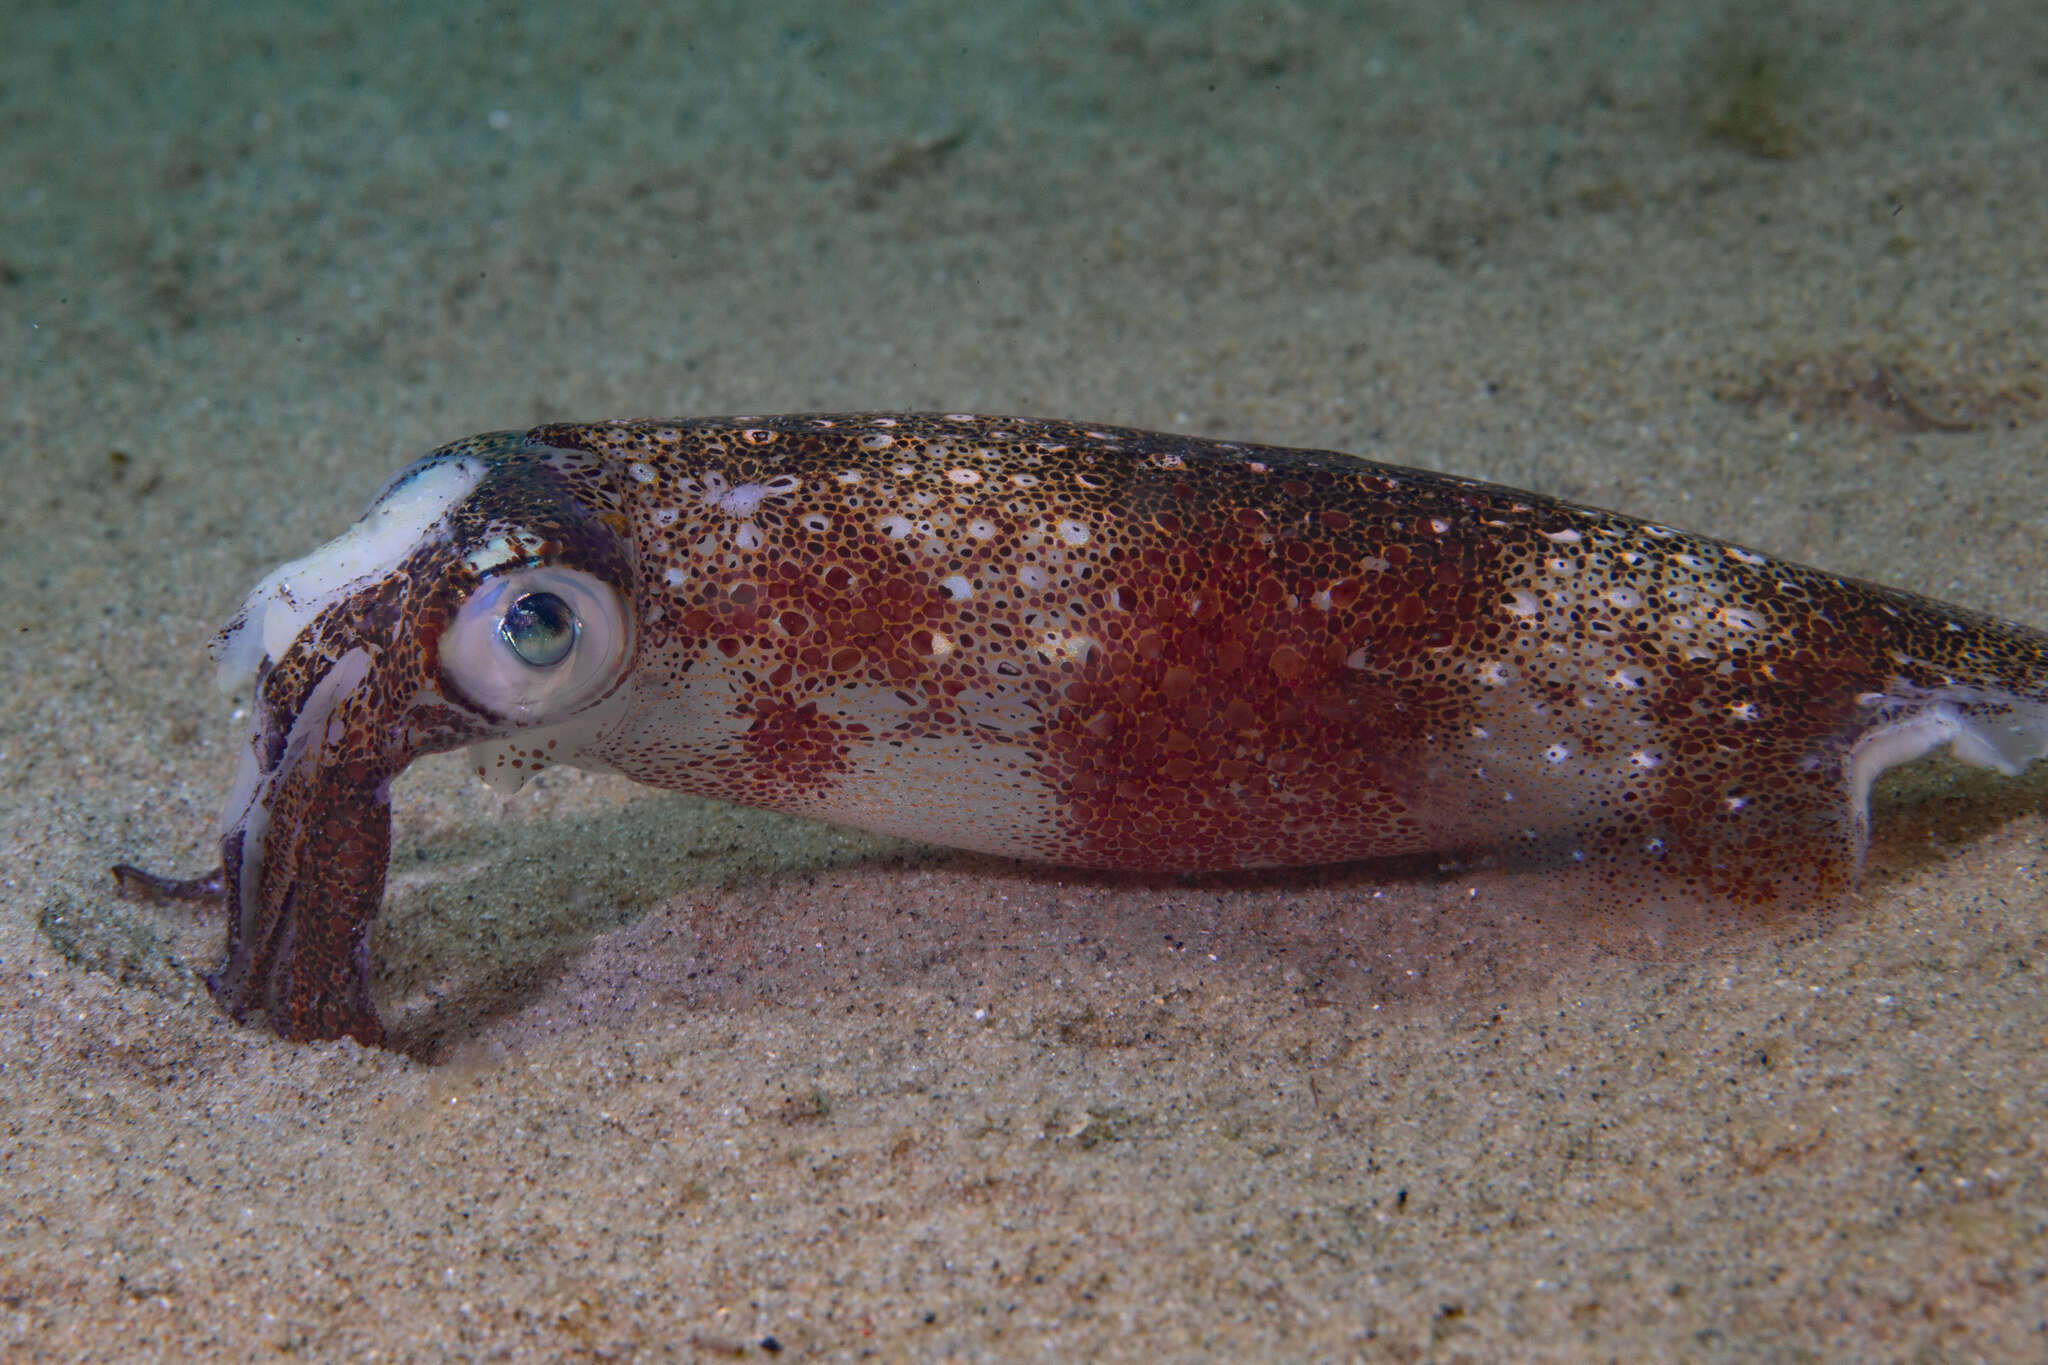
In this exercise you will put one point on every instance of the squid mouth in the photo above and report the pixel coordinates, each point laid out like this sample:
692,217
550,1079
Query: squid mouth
330,644
304,857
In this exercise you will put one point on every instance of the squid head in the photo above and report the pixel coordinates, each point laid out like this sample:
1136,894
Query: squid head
483,598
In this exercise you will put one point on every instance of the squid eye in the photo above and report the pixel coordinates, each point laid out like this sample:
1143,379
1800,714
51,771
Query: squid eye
540,628
537,645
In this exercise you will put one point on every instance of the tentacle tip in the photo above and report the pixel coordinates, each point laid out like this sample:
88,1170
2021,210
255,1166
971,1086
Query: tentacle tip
319,1019
136,884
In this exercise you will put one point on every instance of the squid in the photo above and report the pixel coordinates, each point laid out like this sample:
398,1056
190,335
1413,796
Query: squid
1070,644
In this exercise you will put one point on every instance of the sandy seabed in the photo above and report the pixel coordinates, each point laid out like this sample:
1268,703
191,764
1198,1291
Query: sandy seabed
687,1082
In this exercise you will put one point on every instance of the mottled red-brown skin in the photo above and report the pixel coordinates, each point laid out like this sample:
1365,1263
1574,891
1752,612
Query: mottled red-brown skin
1282,653
1119,649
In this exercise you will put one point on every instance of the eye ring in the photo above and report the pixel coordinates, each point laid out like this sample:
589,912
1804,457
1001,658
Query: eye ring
540,628
538,645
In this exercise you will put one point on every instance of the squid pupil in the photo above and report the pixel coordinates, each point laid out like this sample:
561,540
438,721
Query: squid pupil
540,628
